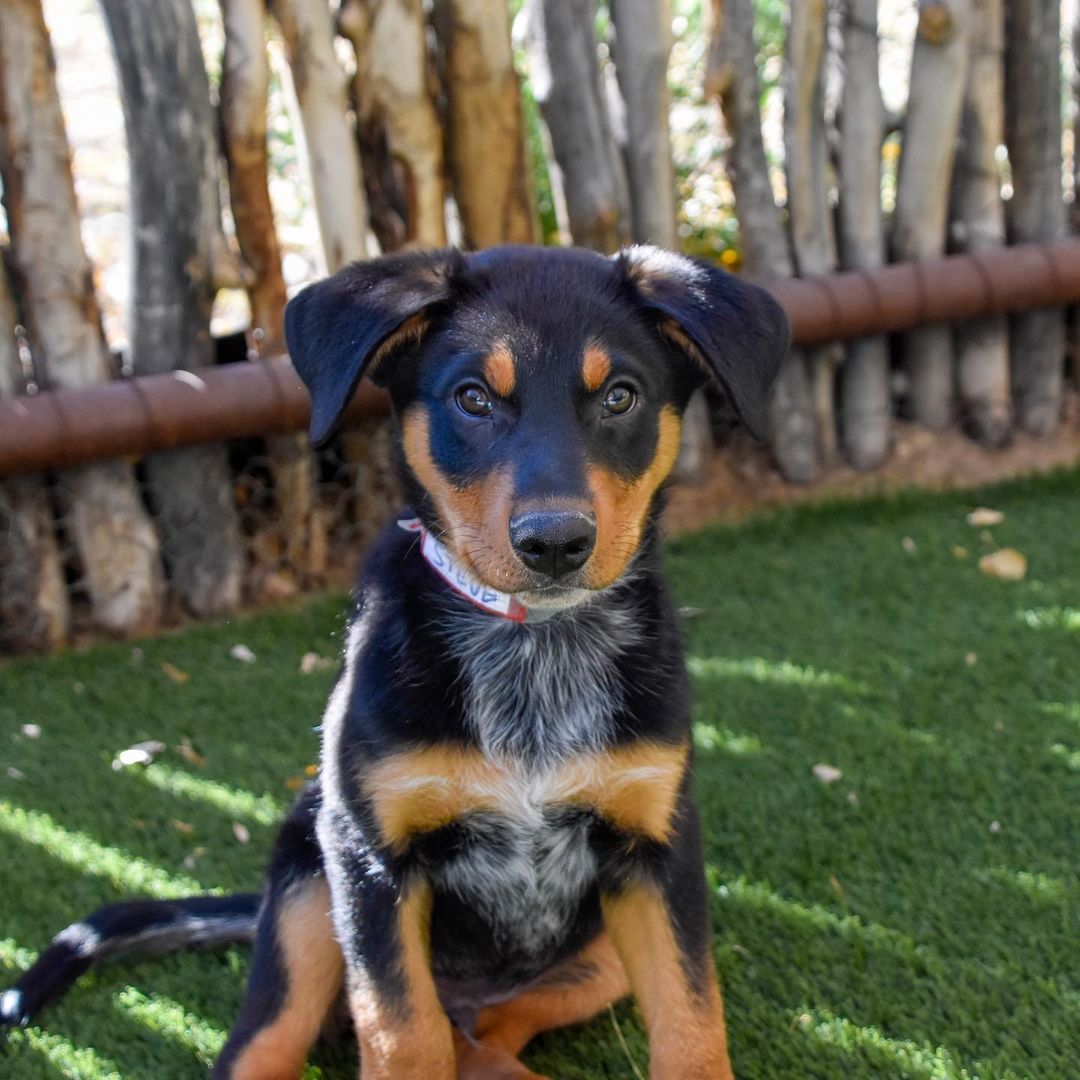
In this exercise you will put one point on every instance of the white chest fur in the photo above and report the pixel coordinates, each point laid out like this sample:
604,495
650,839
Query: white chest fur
542,692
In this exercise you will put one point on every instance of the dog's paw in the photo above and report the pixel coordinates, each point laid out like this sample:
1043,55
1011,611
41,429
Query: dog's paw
13,1011
478,1062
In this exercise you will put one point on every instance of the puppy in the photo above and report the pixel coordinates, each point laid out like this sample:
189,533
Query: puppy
502,838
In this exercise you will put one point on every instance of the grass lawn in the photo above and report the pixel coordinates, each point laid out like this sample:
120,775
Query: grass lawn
917,917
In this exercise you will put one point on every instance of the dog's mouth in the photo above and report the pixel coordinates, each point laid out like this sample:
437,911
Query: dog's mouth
554,597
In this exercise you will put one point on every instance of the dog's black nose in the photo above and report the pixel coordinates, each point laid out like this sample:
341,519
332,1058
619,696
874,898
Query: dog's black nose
553,542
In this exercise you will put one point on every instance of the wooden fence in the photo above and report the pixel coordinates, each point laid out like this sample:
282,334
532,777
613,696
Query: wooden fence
458,123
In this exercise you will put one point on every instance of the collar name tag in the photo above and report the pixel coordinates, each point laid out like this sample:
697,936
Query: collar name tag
440,559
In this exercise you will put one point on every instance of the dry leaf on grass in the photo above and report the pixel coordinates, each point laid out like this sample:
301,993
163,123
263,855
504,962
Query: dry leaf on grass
960,552
140,754
294,783
184,827
311,662
983,516
1007,564
175,673
241,832
189,753
827,774
190,860
311,770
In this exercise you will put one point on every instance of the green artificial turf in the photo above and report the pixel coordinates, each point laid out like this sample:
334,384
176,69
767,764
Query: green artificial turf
917,917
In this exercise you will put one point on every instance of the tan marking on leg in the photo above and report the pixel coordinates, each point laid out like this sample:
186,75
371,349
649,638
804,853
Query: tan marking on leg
513,1024
687,1038
635,787
475,1061
622,505
595,367
413,1042
499,369
475,517
312,960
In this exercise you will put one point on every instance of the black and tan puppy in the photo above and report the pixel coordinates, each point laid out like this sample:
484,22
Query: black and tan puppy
502,838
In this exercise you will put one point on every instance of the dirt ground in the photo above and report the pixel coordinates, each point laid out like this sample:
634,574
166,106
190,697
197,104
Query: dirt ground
742,478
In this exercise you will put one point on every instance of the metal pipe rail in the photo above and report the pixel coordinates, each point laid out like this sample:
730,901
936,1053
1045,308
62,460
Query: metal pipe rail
132,417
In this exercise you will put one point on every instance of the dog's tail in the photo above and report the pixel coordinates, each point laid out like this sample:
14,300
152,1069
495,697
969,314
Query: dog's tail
136,925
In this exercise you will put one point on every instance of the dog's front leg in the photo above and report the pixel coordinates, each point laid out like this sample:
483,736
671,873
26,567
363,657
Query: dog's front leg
657,916
383,924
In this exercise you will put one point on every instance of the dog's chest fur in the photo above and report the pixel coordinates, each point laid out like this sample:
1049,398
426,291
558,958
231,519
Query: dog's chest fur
538,699
536,694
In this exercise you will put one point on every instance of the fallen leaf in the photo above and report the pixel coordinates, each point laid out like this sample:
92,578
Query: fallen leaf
311,770
294,783
31,731
984,516
175,673
827,774
189,753
140,754
970,659
277,587
190,860
1007,564
241,832
837,888
184,827
960,552
311,662
242,653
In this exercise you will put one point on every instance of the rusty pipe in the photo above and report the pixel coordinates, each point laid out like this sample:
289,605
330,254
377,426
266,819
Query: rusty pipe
132,417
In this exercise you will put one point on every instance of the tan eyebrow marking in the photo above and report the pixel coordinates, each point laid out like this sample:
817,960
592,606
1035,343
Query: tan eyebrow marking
499,370
596,367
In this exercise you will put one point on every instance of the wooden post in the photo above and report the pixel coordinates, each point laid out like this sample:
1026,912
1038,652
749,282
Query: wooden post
642,46
174,225
245,80
864,376
485,135
938,76
812,238
982,362
732,79
567,85
337,184
394,98
34,609
1035,211
113,537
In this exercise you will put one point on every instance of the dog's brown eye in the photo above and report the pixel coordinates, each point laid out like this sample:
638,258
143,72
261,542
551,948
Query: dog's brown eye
473,400
620,399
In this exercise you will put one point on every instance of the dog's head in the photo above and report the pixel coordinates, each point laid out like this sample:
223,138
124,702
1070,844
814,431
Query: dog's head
539,392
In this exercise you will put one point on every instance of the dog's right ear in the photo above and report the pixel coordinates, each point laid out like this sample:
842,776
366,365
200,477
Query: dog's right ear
342,328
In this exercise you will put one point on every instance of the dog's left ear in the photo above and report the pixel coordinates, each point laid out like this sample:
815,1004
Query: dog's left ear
735,331
342,328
